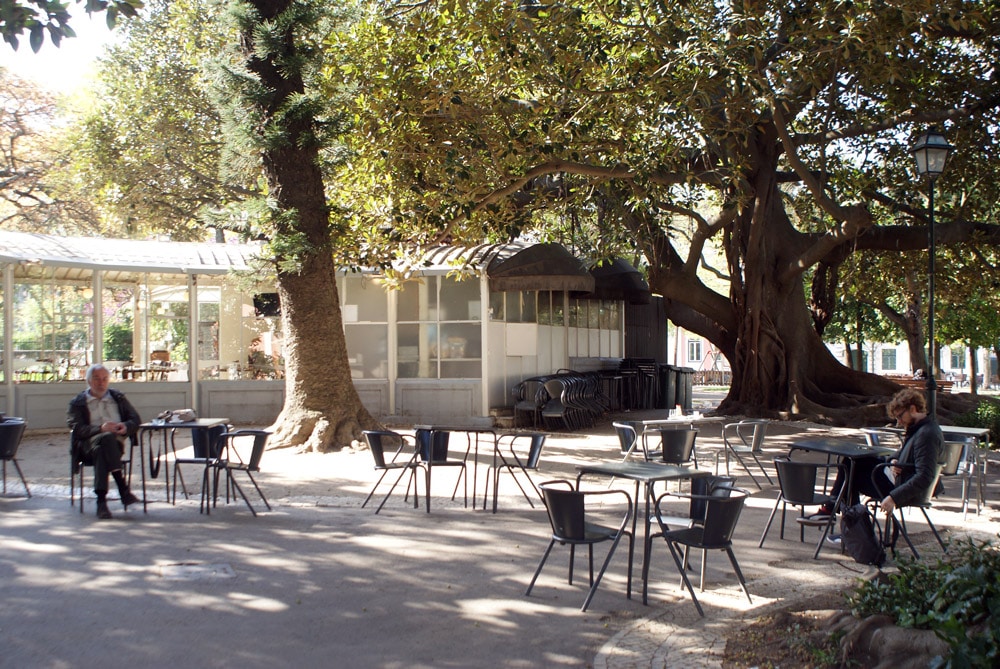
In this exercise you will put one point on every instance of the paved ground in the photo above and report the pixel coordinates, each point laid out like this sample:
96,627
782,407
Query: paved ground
321,582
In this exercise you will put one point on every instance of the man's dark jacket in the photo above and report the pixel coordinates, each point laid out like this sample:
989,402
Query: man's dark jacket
78,419
919,458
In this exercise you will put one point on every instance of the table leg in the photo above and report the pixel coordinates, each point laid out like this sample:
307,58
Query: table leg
142,466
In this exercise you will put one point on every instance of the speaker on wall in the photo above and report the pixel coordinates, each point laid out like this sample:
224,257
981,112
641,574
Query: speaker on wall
267,304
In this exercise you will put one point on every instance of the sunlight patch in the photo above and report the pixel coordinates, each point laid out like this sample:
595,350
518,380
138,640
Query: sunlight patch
191,571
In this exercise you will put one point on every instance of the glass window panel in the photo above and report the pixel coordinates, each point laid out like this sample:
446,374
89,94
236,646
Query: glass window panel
545,307
119,327
53,329
369,296
417,300
417,350
558,309
168,323
528,310
459,299
593,314
368,346
208,324
497,312
513,307
460,340
261,343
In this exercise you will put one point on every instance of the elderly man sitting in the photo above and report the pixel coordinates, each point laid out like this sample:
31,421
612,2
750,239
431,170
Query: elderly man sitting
101,419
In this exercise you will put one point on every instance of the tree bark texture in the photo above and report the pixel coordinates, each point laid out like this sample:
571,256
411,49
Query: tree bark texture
781,366
322,409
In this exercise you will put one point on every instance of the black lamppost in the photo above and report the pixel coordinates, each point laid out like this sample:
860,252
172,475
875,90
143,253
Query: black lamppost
931,153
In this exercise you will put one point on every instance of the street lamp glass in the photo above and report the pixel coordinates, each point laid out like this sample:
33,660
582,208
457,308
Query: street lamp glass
931,153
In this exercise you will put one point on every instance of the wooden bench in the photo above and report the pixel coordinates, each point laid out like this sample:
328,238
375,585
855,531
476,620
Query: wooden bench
921,384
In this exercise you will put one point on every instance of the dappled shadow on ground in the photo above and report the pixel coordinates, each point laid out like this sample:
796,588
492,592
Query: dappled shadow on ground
320,579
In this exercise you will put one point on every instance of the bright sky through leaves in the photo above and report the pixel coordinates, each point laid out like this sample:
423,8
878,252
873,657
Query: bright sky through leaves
62,69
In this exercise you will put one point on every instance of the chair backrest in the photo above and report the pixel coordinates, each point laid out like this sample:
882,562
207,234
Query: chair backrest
627,435
708,486
537,442
159,356
565,507
677,446
432,445
528,391
797,480
378,441
759,431
11,431
207,442
556,389
876,437
954,456
721,516
257,450
925,498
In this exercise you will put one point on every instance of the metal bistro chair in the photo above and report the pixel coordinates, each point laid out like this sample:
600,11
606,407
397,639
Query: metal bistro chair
529,398
432,451
11,431
206,445
960,463
403,459
231,462
536,442
677,446
716,533
799,486
701,488
628,438
78,461
898,523
744,438
568,514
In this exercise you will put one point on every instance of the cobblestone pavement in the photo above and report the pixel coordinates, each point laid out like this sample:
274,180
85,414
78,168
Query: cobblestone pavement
318,536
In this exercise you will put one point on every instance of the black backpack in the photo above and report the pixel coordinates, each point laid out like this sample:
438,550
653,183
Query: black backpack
860,536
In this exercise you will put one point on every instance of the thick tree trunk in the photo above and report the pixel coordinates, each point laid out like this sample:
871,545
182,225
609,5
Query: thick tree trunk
973,371
322,410
781,367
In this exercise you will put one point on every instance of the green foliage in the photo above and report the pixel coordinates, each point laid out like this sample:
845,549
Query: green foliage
986,414
826,654
117,342
50,17
958,597
147,151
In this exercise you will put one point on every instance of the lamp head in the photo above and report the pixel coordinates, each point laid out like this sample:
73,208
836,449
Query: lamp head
931,152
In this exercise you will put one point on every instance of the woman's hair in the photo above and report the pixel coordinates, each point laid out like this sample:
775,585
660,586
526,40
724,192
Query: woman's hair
906,398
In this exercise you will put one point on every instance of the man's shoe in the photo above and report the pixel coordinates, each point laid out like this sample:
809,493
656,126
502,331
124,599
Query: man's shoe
103,512
833,539
129,499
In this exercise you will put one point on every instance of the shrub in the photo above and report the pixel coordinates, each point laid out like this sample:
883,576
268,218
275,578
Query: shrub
986,414
117,342
958,598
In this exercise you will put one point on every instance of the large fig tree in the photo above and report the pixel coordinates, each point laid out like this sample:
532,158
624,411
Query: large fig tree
777,131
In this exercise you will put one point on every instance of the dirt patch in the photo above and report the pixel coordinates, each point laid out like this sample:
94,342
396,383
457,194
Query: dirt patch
794,637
